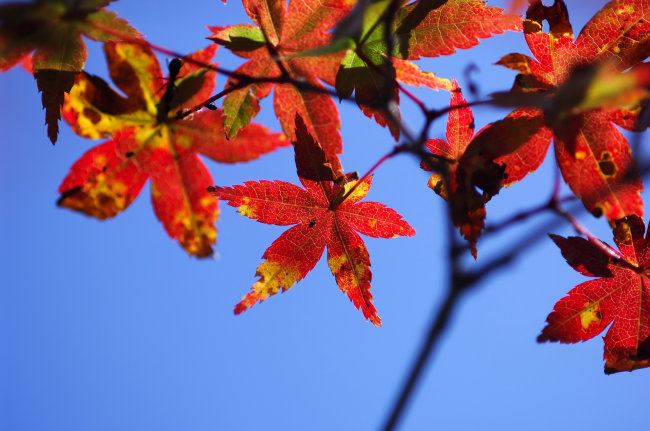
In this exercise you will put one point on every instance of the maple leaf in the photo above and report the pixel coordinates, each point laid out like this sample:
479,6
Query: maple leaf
435,28
466,168
365,69
148,142
420,29
327,213
594,157
294,42
620,297
282,32
53,30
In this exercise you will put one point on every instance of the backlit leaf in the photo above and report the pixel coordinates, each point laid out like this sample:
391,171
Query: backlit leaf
322,218
621,298
588,94
465,170
149,143
287,31
419,29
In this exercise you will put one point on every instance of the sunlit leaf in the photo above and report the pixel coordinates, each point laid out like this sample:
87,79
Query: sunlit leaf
148,142
322,218
621,298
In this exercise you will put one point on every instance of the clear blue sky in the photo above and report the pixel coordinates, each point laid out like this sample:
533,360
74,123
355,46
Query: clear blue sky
111,326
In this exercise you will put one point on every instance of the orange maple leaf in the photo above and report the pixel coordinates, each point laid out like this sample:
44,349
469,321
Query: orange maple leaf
148,142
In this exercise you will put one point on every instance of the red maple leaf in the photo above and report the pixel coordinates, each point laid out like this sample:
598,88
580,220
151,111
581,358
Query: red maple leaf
327,212
621,297
53,29
286,41
148,142
283,31
593,155
466,168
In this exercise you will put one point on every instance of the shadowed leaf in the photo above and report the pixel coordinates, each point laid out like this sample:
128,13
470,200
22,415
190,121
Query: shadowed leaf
52,30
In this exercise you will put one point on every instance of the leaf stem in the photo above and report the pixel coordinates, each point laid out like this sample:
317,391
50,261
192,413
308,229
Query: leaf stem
554,204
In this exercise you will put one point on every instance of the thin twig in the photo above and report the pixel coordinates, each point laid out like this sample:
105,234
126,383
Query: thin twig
398,149
522,216
460,282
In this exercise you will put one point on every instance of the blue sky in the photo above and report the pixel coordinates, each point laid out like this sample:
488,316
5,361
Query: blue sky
111,326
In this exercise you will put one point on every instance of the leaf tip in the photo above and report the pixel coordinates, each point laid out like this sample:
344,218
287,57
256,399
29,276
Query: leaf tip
53,84
557,239
247,302
240,308
53,132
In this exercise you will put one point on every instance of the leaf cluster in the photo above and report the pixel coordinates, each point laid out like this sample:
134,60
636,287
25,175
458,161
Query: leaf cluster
573,92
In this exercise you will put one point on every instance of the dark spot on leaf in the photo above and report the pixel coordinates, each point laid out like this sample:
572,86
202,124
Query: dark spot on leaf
312,222
129,154
608,168
93,116
606,164
106,200
104,168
